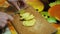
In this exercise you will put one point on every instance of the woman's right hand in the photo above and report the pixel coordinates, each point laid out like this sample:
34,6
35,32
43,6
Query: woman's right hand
17,3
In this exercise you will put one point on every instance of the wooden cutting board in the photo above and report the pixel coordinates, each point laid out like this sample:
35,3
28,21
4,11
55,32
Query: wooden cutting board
41,26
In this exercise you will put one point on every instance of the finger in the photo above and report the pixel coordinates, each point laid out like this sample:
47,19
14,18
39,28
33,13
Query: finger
0,23
3,22
10,18
3,16
3,25
14,3
12,0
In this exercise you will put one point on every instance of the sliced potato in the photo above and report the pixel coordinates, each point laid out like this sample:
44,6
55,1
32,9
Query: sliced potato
27,16
29,23
30,17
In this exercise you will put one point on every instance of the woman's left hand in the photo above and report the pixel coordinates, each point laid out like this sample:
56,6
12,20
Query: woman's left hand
4,19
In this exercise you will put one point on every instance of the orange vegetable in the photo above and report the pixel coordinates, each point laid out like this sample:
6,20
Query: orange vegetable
55,11
56,25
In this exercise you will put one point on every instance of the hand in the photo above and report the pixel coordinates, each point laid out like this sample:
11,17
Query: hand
3,19
17,3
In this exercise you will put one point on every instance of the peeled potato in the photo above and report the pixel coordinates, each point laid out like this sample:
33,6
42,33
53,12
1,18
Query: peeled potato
29,23
27,16
30,17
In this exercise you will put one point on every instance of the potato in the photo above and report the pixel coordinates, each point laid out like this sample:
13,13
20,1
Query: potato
29,23
27,16
30,17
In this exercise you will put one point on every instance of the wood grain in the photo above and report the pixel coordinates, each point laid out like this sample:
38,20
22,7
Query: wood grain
41,26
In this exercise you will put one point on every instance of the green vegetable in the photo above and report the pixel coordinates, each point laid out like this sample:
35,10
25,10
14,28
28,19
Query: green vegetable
54,3
51,20
48,17
45,14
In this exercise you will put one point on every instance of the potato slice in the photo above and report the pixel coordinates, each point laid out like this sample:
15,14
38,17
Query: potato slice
27,16
29,23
